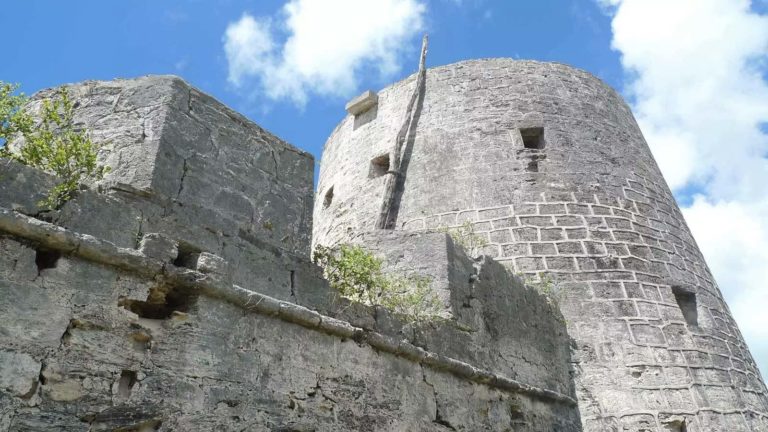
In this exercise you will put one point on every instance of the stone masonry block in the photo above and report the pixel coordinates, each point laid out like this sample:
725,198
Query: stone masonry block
159,246
213,264
552,234
647,334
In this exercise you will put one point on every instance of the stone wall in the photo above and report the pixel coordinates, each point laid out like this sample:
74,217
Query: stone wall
493,319
207,169
134,308
185,165
548,165
98,337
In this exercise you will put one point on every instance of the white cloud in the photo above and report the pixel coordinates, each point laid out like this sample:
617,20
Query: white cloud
734,237
321,47
698,88
248,45
697,69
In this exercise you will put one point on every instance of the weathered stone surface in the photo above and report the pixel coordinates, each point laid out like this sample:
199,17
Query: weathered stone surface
178,294
209,168
210,263
23,188
548,166
495,321
18,373
175,301
131,352
159,247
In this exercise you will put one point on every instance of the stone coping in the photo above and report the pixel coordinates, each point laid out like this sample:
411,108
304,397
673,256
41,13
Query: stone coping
90,248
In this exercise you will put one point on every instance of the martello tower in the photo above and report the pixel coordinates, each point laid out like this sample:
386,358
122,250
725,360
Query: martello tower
547,163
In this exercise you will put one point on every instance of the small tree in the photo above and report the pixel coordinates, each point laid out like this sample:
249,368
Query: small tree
357,275
13,120
54,145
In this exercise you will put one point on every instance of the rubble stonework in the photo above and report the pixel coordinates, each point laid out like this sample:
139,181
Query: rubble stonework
177,294
548,165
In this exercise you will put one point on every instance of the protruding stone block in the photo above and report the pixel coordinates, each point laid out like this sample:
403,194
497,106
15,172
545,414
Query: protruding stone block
212,264
159,246
362,103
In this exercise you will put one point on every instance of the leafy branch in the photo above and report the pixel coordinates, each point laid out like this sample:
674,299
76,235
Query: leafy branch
54,145
357,275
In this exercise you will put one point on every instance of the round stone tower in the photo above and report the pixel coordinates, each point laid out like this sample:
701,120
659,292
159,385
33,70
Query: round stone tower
548,165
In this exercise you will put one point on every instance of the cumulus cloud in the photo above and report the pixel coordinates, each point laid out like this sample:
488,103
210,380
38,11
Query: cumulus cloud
734,237
320,47
697,80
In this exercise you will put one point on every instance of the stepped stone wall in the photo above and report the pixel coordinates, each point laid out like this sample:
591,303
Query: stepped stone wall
549,167
177,294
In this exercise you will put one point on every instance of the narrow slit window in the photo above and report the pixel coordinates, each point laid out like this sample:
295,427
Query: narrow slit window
533,138
686,300
379,166
328,198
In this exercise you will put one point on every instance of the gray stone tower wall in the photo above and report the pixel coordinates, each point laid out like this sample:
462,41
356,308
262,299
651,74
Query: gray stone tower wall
655,346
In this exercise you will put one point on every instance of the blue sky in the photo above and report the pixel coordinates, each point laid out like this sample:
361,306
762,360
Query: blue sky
57,42
694,72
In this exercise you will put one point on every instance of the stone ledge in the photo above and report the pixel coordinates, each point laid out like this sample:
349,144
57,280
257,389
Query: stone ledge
362,103
93,249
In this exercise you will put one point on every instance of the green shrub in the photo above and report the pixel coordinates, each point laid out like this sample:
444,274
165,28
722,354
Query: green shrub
54,145
466,237
13,120
357,275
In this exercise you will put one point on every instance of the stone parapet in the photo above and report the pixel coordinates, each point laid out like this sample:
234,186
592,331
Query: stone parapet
148,329
202,165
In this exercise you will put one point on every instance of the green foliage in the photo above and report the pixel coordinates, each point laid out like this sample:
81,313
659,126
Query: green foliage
13,120
55,145
466,237
357,274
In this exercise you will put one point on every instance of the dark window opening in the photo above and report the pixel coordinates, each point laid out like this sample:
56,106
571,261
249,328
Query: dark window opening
187,257
46,259
379,166
686,300
676,426
328,198
533,138
161,303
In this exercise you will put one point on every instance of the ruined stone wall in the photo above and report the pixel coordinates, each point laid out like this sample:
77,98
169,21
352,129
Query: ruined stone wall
98,337
208,167
548,165
141,307
186,165
89,345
